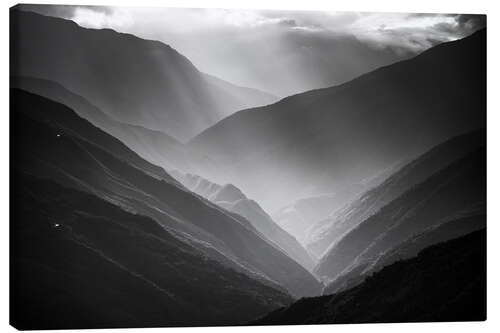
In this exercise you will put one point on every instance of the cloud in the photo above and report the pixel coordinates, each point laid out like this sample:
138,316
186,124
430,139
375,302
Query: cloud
415,32
89,16
282,52
471,22
404,32
64,11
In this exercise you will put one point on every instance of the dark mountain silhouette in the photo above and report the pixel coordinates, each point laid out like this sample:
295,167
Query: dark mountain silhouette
333,138
328,231
458,188
155,146
231,198
47,148
445,282
137,81
78,261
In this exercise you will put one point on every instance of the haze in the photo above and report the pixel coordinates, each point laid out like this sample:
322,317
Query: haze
280,52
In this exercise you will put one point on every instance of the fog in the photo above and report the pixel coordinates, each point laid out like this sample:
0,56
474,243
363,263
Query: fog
280,52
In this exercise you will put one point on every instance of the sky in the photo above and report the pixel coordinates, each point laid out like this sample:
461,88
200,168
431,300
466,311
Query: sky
280,52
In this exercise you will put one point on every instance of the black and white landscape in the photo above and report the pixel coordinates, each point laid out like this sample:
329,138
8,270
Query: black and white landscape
203,167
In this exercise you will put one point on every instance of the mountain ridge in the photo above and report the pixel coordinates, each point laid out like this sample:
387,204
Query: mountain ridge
432,97
155,146
98,266
85,166
150,84
232,199
458,186
416,295
323,234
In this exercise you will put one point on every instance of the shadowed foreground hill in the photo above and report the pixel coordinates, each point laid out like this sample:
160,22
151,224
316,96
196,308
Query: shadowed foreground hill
459,189
445,282
80,262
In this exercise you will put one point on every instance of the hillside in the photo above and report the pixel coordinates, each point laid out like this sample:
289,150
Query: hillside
154,146
149,84
46,148
323,234
457,188
96,266
336,137
416,295
232,199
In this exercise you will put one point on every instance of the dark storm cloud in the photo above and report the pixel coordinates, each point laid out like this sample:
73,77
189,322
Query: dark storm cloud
471,22
463,24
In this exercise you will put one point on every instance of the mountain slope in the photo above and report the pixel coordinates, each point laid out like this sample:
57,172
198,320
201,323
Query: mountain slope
231,198
300,215
136,81
333,138
445,282
328,231
80,262
83,129
44,147
459,187
154,146
454,227
303,216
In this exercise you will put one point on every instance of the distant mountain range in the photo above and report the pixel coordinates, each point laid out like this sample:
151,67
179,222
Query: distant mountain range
303,217
333,138
300,215
136,81
231,198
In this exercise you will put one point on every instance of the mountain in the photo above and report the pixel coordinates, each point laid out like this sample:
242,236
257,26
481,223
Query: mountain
136,81
48,147
303,216
334,138
445,282
458,188
92,134
330,230
78,261
454,227
154,146
288,61
232,199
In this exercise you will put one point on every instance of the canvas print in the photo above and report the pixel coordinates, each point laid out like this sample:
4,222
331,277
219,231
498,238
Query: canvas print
212,167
